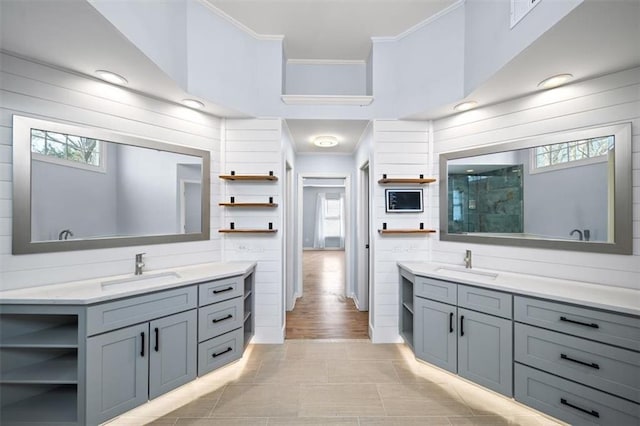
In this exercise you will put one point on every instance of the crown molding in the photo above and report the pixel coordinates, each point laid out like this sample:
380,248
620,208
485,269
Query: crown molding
326,62
419,25
339,100
240,25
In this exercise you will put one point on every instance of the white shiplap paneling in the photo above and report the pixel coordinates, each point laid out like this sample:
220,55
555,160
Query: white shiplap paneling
35,90
603,100
254,146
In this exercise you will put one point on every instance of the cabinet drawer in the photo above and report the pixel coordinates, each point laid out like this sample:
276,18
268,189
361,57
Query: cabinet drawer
219,351
487,301
219,318
607,327
604,367
219,290
125,312
572,402
441,291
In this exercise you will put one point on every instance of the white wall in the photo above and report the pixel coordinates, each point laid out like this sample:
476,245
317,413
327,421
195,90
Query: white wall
607,99
39,91
401,150
255,146
325,78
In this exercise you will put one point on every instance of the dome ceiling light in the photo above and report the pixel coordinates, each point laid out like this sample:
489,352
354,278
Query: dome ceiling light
325,141
192,103
555,81
465,106
111,77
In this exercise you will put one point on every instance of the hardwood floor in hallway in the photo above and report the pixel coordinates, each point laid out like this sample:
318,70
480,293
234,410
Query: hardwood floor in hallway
323,312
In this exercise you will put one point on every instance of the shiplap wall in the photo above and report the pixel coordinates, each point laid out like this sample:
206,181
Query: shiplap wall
608,99
35,90
401,150
254,146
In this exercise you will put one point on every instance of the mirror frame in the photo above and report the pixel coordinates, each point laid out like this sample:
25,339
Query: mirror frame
21,241
622,238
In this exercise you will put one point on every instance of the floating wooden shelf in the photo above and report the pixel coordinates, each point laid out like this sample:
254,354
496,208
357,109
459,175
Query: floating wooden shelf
406,180
248,204
250,177
406,231
248,231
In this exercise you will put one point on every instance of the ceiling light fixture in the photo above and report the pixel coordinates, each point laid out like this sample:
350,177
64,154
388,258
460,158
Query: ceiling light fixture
555,81
469,170
325,141
111,77
465,106
192,103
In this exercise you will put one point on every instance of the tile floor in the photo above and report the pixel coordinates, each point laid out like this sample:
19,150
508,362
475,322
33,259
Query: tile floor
337,383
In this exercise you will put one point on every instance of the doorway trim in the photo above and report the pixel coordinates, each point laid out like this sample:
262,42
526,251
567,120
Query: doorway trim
363,236
183,202
347,229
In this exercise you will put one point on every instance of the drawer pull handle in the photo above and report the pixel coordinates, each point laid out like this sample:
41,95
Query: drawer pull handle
450,322
593,413
229,349
142,346
222,291
586,324
588,364
461,325
222,319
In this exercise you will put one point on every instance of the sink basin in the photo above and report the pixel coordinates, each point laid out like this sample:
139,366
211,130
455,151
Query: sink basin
148,279
466,273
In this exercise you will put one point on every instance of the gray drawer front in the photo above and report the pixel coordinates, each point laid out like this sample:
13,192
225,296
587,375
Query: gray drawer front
441,291
616,329
134,310
219,351
220,318
488,301
608,368
219,290
546,392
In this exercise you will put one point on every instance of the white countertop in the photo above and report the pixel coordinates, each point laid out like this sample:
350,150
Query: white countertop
616,299
92,291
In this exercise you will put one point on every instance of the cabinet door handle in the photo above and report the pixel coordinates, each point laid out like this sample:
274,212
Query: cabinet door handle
588,364
222,319
593,413
229,349
223,290
157,347
461,325
586,324
142,348
450,322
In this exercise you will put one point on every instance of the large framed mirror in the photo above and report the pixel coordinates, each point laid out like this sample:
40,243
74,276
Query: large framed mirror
569,190
77,188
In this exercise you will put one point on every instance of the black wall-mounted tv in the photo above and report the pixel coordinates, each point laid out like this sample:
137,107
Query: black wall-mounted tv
404,200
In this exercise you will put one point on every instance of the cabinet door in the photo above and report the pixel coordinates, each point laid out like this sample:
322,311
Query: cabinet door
485,350
117,372
172,352
434,331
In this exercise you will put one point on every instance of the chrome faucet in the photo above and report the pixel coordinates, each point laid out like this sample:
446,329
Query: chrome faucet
580,237
139,263
64,234
467,259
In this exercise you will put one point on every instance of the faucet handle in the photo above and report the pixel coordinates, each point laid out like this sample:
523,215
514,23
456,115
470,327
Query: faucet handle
139,255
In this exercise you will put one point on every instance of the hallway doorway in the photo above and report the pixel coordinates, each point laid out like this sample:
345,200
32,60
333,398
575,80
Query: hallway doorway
323,311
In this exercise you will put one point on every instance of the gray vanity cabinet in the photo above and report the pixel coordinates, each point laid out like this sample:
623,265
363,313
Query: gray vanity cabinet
127,367
435,338
459,328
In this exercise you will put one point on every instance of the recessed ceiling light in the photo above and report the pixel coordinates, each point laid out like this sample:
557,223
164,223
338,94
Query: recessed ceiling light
192,103
555,81
465,106
469,170
111,77
325,141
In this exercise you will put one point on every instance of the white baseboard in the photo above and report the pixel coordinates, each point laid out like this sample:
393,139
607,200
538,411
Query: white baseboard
384,335
269,335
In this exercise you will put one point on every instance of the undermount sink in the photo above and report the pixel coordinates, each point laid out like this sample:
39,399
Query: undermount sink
466,273
148,279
